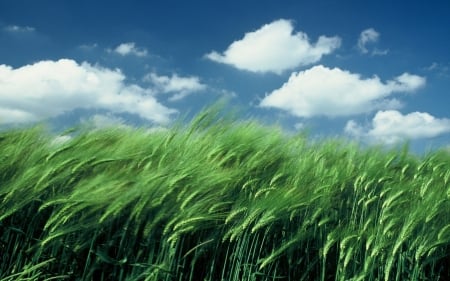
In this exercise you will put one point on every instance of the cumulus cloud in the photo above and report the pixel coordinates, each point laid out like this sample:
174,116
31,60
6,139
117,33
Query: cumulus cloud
18,29
275,48
321,91
130,48
391,126
369,36
47,89
179,86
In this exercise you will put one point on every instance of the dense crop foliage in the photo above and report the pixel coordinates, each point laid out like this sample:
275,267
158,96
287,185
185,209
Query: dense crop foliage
219,200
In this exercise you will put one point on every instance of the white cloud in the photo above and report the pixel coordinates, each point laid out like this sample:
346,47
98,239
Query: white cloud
130,48
392,126
179,86
47,89
18,29
369,36
274,48
321,91
352,128
406,83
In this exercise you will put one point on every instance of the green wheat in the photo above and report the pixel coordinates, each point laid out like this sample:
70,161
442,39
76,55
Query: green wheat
219,199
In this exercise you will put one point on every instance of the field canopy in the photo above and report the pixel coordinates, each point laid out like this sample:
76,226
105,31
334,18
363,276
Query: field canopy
218,199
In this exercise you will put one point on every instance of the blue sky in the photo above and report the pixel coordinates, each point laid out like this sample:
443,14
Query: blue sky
372,71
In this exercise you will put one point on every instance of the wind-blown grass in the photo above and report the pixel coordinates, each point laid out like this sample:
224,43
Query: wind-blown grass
219,200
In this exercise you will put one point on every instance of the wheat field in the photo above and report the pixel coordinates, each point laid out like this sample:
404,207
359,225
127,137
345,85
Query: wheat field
219,199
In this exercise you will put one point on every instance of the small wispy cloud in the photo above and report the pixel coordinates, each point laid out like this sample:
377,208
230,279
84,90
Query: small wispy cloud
18,29
432,66
369,37
88,47
377,52
179,86
129,48
441,69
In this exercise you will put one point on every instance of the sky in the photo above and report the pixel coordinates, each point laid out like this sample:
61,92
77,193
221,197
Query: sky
375,72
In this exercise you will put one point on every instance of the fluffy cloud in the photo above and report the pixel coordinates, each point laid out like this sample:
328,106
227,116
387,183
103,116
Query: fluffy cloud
274,48
321,91
369,36
391,126
47,89
130,48
179,86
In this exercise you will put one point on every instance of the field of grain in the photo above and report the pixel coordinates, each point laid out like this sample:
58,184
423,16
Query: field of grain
219,199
